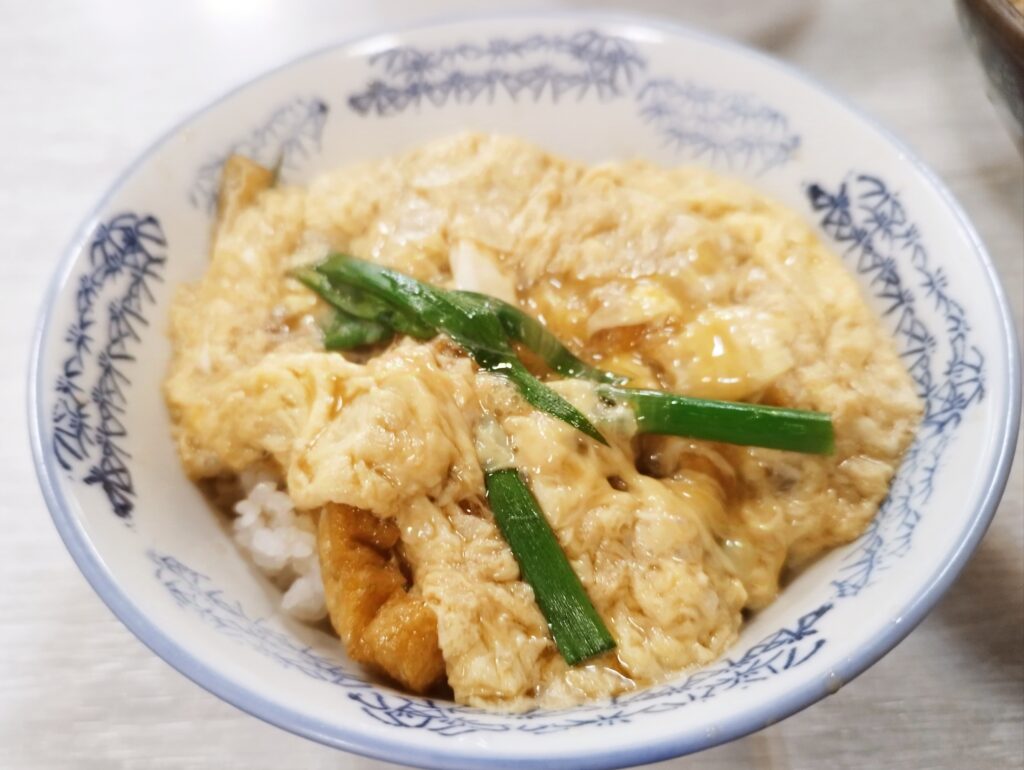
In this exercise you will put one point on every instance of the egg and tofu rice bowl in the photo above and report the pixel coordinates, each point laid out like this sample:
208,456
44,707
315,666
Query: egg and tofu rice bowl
365,475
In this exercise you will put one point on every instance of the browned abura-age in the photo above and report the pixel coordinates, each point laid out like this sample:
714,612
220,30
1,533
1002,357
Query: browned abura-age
381,623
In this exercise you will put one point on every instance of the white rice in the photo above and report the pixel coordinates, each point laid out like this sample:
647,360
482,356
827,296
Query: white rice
282,543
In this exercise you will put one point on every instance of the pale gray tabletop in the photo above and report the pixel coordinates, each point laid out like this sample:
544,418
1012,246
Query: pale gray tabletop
86,86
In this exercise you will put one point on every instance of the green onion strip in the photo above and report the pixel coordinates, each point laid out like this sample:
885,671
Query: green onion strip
577,629
372,302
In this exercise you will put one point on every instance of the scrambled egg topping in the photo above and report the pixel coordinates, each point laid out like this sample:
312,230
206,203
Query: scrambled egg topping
679,279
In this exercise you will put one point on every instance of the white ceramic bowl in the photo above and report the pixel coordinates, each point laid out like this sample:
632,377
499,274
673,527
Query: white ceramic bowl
592,87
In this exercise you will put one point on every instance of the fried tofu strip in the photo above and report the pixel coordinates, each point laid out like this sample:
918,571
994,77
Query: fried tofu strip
241,180
381,624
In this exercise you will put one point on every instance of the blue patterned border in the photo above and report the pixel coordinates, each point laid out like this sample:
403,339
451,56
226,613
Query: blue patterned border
594,63
783,650
192,590
289,135
867,219
725,128
87,425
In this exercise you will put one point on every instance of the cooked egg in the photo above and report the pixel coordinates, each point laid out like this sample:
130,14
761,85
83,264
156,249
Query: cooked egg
678,278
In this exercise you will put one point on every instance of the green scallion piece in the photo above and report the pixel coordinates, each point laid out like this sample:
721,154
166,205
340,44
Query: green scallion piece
773,427
527,330
484,327
577,629
469,323
534,391
361,305
345,332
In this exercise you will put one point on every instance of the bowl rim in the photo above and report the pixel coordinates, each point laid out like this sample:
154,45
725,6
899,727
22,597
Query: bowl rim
96,572
1001,15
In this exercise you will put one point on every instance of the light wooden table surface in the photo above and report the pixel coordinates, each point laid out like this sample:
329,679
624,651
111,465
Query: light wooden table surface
85,86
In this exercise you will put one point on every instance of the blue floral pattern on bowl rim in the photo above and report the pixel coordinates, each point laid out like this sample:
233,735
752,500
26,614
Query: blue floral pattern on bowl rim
734,129
126,257
780,651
